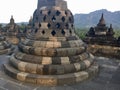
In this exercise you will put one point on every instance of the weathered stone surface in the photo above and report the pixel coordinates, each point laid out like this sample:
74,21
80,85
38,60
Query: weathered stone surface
102,50
11,31
101,34
108,78
5,46
51,54
13,39
48,80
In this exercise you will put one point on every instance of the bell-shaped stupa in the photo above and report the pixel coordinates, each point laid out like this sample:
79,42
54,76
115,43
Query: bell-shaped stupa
11,31
52,54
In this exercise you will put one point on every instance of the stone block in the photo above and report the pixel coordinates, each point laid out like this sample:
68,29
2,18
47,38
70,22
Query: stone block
77,66
63,13
60,70
56,8
44,26
38,51
22,66
29,43
56,60
19,55
84,56
49,45
65,60
66,79
51,52
40,69
47,81
31,78
52,69
28,58
42,44
65,44
61,52
70,68
31,68
22,76
87,63
14,62
57,44
74,59
83,66
31,50
81,76
44,12
10,71
46,60
36,44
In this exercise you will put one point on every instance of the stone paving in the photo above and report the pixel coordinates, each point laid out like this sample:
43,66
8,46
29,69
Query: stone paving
108,78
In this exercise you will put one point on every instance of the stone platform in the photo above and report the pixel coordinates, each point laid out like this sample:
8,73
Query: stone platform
104,50
5,46
51,66
107,79
13,39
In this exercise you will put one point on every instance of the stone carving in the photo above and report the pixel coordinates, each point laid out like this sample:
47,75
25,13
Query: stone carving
52,54
101,34
11,31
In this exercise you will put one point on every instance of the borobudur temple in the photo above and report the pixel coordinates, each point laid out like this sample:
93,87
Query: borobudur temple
52,54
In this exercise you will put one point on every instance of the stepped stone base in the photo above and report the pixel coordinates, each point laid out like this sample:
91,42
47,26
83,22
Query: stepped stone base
5,46
51,80
51,71
13,40
52,54
103,50
5,51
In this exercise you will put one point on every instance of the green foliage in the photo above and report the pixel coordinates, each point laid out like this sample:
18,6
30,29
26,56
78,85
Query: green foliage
22,27
117,33
81,32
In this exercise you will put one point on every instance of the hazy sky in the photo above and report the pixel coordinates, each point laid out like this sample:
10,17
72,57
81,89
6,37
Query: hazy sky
23,9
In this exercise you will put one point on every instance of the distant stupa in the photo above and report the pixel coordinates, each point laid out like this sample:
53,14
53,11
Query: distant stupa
52,54
11,31
101,34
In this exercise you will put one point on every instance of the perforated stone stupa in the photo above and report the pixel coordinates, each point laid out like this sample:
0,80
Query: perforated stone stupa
52,54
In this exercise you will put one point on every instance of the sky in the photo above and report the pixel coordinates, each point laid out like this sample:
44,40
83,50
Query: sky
22,10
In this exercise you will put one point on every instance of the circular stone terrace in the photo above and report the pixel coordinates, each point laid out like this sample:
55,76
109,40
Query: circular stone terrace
108,78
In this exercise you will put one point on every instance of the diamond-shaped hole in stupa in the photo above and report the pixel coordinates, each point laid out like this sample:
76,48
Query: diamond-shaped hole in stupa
52,54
